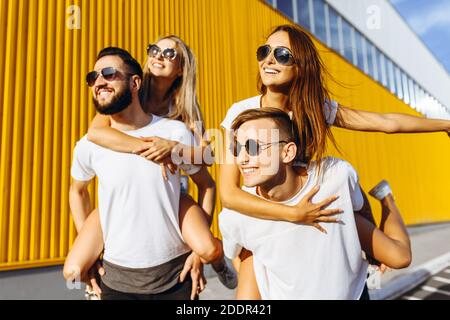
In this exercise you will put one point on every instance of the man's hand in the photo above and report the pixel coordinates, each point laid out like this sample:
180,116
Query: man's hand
93,277
309,213
195,266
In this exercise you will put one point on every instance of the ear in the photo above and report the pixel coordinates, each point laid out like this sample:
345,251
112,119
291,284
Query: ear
289,152
136,83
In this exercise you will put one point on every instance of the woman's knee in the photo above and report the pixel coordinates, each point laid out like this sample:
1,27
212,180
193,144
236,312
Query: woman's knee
210,252
71,271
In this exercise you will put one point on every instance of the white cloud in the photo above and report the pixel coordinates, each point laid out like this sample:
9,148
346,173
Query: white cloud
436,16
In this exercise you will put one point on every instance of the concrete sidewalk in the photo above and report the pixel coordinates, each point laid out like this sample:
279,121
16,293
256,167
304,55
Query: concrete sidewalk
431,253
430,245
430,248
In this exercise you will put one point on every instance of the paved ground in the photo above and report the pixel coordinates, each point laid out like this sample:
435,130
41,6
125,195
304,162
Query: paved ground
36,284
435,288
428,242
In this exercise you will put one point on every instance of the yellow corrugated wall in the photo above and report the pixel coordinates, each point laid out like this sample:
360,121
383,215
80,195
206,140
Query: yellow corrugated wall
45,106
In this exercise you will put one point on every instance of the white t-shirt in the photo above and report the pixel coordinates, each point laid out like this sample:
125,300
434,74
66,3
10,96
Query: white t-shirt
295,261
138,209
330,110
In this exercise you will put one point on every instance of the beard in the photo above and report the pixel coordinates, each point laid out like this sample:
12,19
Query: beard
119,102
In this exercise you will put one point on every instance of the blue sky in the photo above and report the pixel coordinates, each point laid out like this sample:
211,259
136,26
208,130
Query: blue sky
430,19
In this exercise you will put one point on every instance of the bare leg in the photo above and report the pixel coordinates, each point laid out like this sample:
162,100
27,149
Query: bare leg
366,211
390,244
391,221
86,249
367,214
195,230
247,287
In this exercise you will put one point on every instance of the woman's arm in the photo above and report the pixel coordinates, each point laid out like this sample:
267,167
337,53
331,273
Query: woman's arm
101,133
390,244
158,149
234,198
387,122
155,149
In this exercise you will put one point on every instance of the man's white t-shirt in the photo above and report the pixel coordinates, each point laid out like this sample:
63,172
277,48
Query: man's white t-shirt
138,208
330,109
295,261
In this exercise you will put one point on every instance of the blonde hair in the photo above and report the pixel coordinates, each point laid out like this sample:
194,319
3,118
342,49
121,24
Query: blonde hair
183,91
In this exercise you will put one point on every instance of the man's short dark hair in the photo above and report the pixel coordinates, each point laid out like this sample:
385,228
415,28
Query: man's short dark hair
133,66
281,119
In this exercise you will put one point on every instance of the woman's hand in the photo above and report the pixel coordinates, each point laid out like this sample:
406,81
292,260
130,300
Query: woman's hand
195,266
168,165
310,213
156,149
159,150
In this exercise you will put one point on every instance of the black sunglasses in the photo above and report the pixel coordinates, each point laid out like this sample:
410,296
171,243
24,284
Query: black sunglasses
153,51
282,54
108,73
252,147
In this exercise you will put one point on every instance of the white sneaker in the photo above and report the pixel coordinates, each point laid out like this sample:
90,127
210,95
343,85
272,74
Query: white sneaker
227,276
381,190
89,294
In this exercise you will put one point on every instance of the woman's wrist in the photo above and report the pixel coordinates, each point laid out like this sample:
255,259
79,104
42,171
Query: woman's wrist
289,215
138,146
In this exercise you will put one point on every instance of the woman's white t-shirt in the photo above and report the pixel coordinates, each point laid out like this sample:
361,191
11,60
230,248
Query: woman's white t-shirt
330,109
294,261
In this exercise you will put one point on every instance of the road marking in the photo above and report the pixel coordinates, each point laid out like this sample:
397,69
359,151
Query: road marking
434,290
411,298
443,280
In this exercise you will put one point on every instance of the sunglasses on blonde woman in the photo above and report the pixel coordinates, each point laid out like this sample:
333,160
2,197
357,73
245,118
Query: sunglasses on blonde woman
153,51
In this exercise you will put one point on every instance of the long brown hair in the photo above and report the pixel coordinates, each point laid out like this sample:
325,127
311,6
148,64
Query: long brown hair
307,95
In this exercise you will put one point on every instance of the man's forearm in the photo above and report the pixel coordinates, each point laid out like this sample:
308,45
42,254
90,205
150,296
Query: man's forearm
80,206
206,200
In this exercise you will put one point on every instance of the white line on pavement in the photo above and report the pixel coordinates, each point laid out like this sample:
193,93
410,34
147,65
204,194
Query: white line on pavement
434,290
443,280
411,298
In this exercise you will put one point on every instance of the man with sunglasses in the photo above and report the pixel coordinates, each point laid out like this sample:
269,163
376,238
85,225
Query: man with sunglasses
293,261
144,250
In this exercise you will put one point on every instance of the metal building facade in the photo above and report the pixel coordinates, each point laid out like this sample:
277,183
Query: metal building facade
47,47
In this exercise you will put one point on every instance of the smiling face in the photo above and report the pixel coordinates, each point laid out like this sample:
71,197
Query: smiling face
165,68
259,169
114,95
272,73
